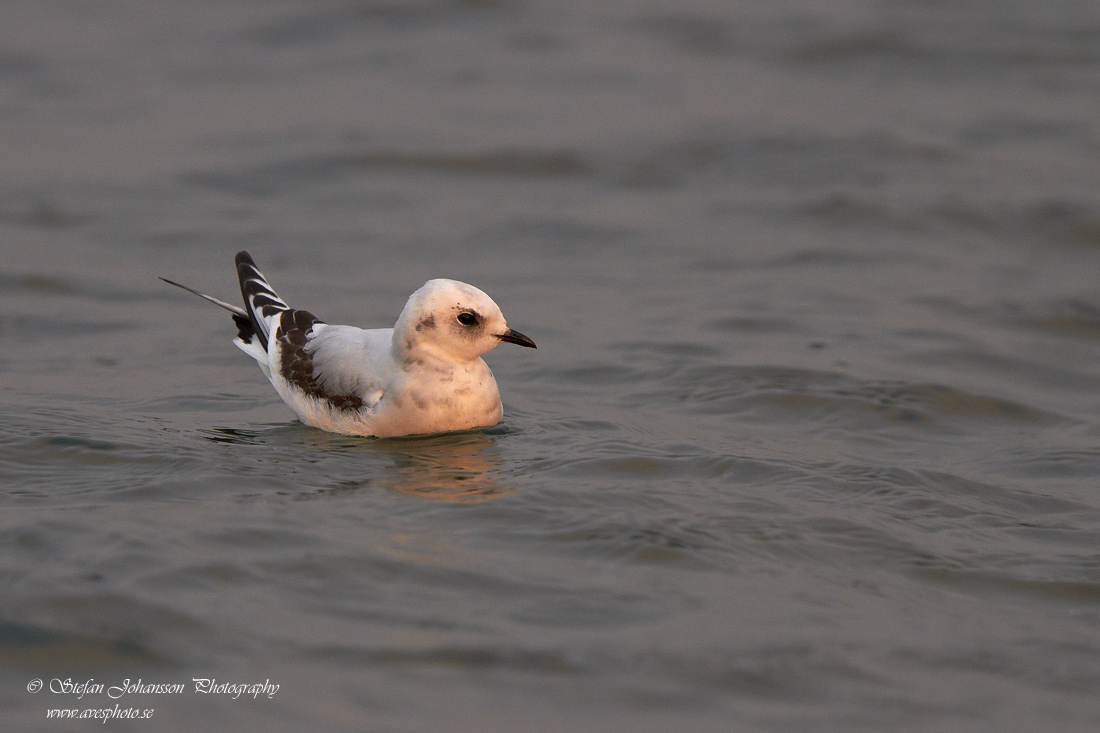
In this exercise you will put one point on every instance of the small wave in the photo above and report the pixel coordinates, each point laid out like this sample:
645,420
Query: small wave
43,647
744,390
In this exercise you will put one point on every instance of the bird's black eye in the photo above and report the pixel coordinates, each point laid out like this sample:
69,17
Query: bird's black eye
467,319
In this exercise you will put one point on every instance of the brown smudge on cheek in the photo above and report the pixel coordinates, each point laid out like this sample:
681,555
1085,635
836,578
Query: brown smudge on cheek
426,324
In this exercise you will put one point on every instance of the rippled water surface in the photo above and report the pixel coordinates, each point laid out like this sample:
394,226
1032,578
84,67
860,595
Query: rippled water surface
811,440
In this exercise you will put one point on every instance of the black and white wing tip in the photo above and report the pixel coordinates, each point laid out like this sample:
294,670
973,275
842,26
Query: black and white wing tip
261,302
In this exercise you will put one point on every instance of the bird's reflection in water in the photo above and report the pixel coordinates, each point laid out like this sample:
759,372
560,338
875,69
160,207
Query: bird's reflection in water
456,467
459,468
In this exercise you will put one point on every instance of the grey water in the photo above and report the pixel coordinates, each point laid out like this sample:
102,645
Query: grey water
811,440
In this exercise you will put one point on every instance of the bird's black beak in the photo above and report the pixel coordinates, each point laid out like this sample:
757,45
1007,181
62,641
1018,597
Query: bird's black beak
513,336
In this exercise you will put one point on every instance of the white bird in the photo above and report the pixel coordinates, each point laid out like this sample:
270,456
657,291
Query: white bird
424,375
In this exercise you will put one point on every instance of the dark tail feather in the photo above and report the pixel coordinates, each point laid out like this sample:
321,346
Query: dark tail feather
245,329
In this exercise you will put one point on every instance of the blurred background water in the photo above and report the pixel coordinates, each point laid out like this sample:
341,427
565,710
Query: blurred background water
810,441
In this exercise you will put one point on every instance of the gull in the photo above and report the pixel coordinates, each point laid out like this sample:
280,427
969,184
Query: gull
425,375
